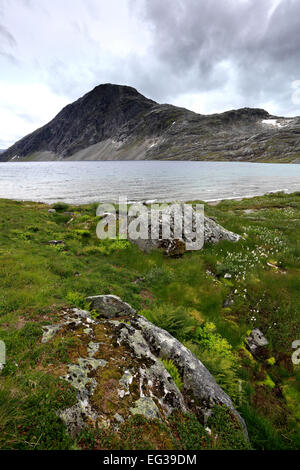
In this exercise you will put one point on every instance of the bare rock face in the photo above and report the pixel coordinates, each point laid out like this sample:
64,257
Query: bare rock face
114,122
118,372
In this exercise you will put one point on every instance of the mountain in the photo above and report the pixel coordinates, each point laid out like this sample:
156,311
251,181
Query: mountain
114,122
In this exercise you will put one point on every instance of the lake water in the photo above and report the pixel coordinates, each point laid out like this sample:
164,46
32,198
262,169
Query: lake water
85,182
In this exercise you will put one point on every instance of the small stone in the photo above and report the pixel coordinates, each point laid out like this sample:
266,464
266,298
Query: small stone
256,340
119,418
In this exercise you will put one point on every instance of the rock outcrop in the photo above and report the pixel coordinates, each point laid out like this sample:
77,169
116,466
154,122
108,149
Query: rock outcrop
118,371
208,229
114,122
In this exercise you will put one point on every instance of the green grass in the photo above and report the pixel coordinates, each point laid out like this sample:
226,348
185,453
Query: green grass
190,297
174,373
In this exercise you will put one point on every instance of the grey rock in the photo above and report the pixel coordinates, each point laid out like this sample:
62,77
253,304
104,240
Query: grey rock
126,380
256,340
119,418
76,416
76,319
50,331
146,406
209,231
52,211
110,306
147,385
79,375
196,378
81,314
153,371
214,233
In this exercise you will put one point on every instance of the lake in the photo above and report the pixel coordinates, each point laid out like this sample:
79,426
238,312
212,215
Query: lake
85,182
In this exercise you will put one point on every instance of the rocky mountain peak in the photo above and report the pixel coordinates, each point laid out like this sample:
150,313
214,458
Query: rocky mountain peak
116,122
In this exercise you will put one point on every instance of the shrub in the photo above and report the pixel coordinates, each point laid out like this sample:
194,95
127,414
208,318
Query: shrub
108,247
176,320
60,206
227,430
210,347
190,432
80,233
77,299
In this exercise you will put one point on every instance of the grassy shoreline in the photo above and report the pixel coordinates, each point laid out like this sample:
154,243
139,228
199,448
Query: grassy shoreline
228,289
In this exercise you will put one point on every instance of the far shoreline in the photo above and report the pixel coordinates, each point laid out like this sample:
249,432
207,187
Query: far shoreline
26,160
210,202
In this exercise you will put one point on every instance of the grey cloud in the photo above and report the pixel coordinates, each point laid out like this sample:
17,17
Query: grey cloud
192,38
7,41
237,52
7,36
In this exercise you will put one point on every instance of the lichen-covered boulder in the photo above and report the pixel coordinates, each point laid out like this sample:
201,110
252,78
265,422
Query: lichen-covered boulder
117,371
199,384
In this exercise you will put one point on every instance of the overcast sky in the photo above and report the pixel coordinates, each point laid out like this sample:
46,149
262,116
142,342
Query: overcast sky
205,55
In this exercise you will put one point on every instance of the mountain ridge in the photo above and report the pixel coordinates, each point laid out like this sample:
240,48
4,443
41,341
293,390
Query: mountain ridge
116,122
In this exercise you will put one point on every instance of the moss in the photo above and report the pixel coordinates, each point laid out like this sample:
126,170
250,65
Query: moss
137,433
227,430
291,392
190,433
60,206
